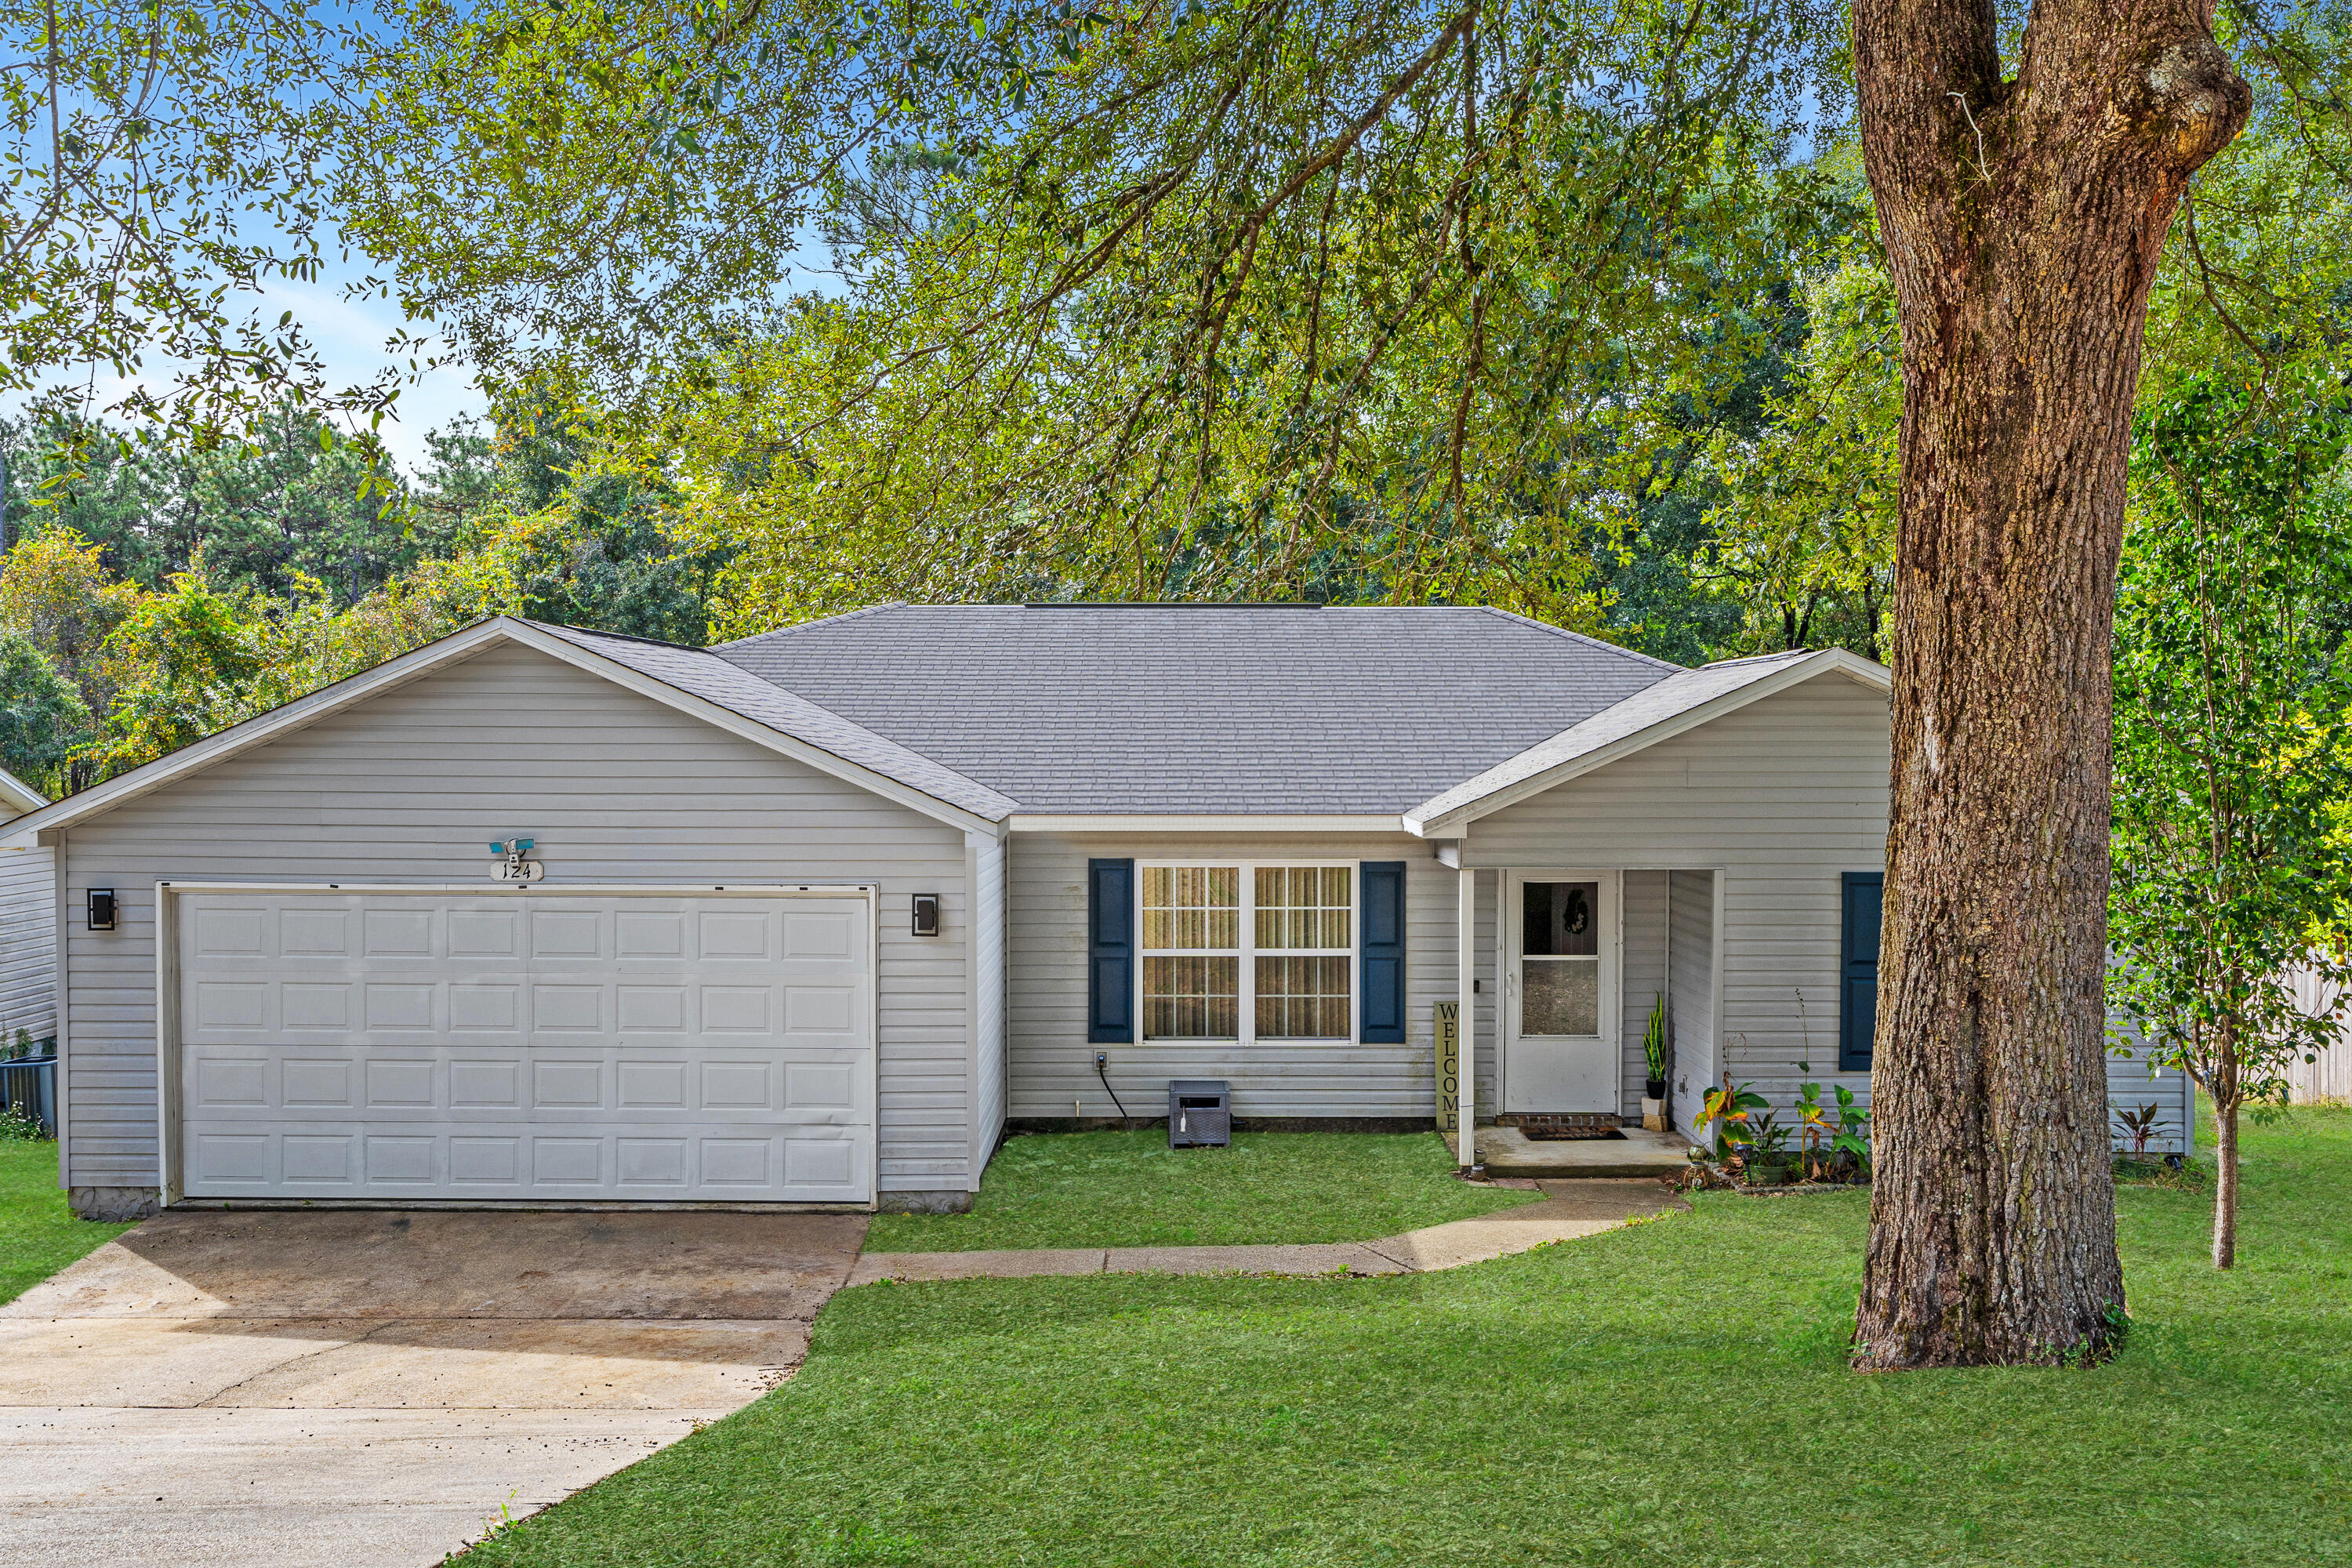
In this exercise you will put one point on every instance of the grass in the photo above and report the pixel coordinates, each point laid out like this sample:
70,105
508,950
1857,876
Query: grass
1129,1189
1674,1393
38,1233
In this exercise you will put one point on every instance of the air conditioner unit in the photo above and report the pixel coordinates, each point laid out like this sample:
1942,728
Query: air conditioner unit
1200,1113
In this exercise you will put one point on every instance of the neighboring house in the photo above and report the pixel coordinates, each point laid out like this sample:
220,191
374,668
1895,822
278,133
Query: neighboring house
28,925
823,911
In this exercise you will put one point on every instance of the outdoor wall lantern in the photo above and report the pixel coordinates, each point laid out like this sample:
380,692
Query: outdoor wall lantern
926,914
101,909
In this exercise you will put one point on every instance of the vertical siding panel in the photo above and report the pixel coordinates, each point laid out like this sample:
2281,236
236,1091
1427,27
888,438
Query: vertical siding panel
1643,977
1692,993
989,896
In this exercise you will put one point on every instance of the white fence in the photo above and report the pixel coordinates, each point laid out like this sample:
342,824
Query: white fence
2329,1078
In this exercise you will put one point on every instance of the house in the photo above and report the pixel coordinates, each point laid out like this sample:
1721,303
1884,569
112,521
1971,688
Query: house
28,926
547,915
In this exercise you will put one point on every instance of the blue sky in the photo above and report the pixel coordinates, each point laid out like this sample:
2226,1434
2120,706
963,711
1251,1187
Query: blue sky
350,334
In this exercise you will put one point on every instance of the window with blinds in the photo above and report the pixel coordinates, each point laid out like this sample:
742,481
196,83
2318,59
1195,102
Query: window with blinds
1248,952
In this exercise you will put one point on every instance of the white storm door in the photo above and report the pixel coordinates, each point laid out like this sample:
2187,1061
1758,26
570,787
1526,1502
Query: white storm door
1561,1052
534,1047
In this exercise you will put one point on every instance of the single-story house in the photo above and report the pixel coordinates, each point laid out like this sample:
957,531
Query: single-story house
28,925
543,915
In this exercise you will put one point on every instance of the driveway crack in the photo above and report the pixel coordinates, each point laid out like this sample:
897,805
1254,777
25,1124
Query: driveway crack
213,1401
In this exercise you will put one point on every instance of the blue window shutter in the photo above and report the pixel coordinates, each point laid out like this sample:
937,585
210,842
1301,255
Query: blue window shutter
1858,970
1111,951
1382,949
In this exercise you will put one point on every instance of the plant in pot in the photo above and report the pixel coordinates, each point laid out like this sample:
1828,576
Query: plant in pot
1653,1054
1766,1160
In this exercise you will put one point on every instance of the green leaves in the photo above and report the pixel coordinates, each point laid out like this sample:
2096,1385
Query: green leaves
2234,725
159,159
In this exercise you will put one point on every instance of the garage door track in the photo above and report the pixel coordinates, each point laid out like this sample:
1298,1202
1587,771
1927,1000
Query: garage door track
372,1388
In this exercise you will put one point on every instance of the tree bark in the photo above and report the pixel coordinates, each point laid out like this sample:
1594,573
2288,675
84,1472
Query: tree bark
2022,221
2225,1185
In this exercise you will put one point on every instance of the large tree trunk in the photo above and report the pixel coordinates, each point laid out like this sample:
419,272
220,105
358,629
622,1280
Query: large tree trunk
2022,222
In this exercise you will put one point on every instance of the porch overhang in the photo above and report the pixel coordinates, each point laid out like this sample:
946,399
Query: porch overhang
1674,706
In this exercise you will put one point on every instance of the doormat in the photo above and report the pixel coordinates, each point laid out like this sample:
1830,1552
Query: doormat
1561,1128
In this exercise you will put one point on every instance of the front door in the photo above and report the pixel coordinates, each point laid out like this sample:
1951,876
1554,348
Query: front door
1560,1035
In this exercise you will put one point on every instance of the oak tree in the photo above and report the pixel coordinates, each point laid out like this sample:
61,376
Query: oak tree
2023,215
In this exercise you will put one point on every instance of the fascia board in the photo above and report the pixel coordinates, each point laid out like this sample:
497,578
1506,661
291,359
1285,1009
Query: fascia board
260,729
17,797
328,701
1829,662
752,729
1144,822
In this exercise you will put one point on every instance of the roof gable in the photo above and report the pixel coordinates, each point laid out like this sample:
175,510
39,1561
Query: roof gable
683,678
17,796
1681,702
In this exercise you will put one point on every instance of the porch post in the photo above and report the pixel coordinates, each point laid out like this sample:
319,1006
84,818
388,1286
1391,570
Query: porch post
1466,976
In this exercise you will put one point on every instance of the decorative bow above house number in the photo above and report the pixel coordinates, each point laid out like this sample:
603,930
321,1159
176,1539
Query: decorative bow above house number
513,863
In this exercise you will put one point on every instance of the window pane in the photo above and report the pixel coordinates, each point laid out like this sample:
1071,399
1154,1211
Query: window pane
1191,998
1302,998
1192,907
1560,996
1561,919
1305,906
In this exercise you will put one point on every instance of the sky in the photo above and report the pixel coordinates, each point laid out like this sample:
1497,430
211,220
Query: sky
349,335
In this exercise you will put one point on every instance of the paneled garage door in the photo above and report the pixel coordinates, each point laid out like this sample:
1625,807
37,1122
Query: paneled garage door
536,1046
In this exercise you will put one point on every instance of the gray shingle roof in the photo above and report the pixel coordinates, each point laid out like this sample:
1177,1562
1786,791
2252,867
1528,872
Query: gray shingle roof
1201,710
717,682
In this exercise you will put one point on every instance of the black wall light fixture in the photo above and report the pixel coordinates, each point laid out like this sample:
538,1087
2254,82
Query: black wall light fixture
926,914
101,909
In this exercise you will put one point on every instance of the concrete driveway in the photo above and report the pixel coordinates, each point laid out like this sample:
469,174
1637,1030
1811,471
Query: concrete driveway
371,1388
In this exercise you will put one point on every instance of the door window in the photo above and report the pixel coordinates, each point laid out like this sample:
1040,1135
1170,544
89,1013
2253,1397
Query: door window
1560,951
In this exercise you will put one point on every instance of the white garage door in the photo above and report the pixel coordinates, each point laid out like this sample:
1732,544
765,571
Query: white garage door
536,1045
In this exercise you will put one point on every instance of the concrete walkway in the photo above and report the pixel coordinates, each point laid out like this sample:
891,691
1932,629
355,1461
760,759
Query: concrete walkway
1570,1209
236,1390
284,1390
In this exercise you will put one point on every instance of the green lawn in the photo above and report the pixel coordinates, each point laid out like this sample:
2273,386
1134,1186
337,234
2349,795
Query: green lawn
38,1233
1671,1395
1129,1189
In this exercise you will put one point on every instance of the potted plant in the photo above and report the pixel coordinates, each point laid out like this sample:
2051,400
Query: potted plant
1765,1160
1653,1053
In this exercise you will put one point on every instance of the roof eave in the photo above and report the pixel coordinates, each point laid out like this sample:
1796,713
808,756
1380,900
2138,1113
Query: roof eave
1432,819
330,700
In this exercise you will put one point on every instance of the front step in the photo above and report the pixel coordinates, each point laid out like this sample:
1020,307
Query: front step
1508,1152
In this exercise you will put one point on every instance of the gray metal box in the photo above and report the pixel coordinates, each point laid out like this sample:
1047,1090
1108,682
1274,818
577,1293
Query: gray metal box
1200,1113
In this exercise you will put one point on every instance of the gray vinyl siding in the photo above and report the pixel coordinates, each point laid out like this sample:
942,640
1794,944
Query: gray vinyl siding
1781,797
989,894
411,786
2130,1085
1053,1064
1642,973
1693,995
29,943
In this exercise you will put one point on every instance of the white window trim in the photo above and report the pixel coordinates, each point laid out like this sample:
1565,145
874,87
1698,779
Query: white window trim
1246,955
